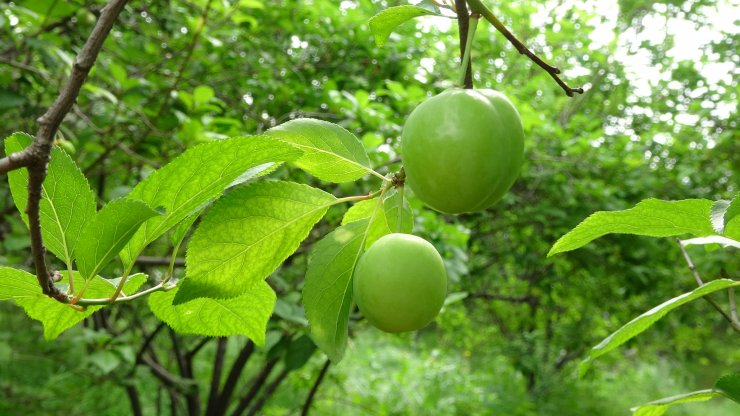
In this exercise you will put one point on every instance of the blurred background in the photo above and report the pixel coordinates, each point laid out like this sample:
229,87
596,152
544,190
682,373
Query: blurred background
658,119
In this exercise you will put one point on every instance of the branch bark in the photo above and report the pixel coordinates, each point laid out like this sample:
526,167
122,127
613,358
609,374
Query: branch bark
477,6
36,157
315,388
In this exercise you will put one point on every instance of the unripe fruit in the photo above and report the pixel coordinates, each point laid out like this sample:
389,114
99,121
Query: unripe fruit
400,283
462,149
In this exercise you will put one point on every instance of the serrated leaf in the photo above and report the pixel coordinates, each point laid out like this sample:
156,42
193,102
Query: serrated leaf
733,210
108,232
383,23
659,407
196,177
56,317
729,385
732,219
327,291
644,321
651,217
330,152
244,315
67,202
247,235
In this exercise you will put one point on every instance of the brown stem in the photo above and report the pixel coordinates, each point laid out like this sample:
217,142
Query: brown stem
477,6
463,23
36,157
218,365
257,383
315,388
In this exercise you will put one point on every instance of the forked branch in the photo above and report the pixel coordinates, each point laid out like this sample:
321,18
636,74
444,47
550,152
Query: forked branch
36,157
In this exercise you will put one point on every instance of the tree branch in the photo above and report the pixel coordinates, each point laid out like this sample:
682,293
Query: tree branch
233,378
477,6
36,157
218,365
257,383
315,388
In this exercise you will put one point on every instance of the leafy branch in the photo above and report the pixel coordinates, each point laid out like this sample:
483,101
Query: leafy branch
36,157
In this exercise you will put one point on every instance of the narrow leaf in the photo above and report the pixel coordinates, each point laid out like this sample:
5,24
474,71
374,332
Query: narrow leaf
712,239
330,152
108,232
198,176
383,23
246,315
644,321
56,317
659,407
327,291
67,202
651,217
247,235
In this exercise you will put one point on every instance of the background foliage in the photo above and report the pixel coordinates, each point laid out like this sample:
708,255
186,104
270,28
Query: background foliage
659,119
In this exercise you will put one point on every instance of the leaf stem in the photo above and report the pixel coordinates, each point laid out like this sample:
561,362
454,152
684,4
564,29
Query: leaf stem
468,46
161,287
358,197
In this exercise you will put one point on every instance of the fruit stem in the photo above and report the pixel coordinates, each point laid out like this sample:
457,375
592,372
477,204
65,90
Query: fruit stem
468,46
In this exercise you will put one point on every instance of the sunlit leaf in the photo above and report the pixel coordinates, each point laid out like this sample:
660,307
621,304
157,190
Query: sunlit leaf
651,217
383,23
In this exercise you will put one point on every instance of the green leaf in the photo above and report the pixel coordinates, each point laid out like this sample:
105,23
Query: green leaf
651,217
244,315
247,234
299,352
105,235
644,321
659,407
330,152
56,317
327,291
731,219
67,202
383,23
394,217
729,385
196,177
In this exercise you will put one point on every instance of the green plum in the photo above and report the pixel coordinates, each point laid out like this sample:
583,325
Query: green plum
462,149
400,283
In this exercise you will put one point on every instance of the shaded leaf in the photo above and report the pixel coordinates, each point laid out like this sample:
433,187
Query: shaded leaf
659,407
644,321
327,291
729,385
108,232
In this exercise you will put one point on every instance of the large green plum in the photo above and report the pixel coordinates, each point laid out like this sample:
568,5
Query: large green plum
462,149
400,283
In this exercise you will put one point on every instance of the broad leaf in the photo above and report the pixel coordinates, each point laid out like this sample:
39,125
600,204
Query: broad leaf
56,317
67,202
244,315
247,235
659,407
383,23
651,217
330,152
108,232
327,291
197,176
644,321
360,210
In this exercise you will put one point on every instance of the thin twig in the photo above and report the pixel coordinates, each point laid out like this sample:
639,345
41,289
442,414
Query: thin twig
733,305
734,322
224,398
315,388
36,157
476,6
